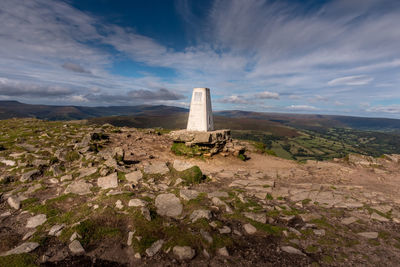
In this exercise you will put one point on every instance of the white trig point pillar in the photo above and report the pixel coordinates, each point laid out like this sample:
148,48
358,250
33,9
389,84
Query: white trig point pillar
200,115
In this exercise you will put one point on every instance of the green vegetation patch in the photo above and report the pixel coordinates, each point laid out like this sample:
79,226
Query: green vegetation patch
20,260
181,149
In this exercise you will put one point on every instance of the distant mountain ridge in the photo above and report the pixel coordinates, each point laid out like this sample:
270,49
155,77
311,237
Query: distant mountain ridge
176,116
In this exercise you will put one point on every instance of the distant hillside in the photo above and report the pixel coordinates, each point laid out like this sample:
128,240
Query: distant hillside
11,109
174,117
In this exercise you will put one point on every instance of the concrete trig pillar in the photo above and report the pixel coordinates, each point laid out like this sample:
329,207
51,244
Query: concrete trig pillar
200,115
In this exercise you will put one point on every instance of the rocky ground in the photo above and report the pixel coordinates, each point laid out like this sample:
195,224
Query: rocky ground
74,194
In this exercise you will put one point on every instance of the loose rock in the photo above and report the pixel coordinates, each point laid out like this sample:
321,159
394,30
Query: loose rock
184,253
36,221
110,181
168,205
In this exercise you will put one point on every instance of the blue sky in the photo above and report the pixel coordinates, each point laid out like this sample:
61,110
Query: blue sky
326,57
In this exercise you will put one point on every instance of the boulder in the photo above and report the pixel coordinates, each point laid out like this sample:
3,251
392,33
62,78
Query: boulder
154,248
76,248
249,229
292,250
29,176
199,214
14,202
136,203
56,229
109,181
156,168
184,252
258,217
24,248
168,205
134,177
369,235
188,194
36,221
79,188
180,165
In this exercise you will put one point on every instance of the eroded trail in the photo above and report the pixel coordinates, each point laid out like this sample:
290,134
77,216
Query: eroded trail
74,194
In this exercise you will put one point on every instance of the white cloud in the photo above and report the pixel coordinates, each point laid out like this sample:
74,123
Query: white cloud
351,80
392,109
267,95
302,108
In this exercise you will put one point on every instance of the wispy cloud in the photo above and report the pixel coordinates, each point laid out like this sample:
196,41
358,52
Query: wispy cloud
301,108
351,80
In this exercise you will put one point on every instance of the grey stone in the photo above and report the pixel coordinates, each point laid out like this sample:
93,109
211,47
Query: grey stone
369,235
199,214
154,248
87,172
130,237
14,202
319,232
28,234
156,168
187,194
56,229
134,177
29,176
223,252
23,248
180,165
349,220
78,187
382,208
250,229
36,221
292,250
258,217
66,177
109,181
225,230
8,162
146,213
168,205
218,194
184,252
136,203
376,216
119,205
206,236
76,248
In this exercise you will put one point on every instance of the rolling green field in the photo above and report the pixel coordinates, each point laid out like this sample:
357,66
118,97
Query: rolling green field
323,144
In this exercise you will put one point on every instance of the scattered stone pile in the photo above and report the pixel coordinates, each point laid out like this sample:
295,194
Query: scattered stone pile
210,143
74,194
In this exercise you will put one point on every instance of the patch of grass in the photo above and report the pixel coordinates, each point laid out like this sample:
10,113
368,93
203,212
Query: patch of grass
322,223
72,156
192,176
327,259
181,149
269,196
311,249
268,228
242,157
306,201
91,231
20,260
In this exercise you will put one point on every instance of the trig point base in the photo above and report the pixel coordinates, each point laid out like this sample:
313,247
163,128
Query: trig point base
200,134
200,115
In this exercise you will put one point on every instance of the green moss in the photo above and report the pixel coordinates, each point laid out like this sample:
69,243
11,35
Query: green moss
192,176
72,156
268,228
312,249
20,260
242,157
181,149
91,231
